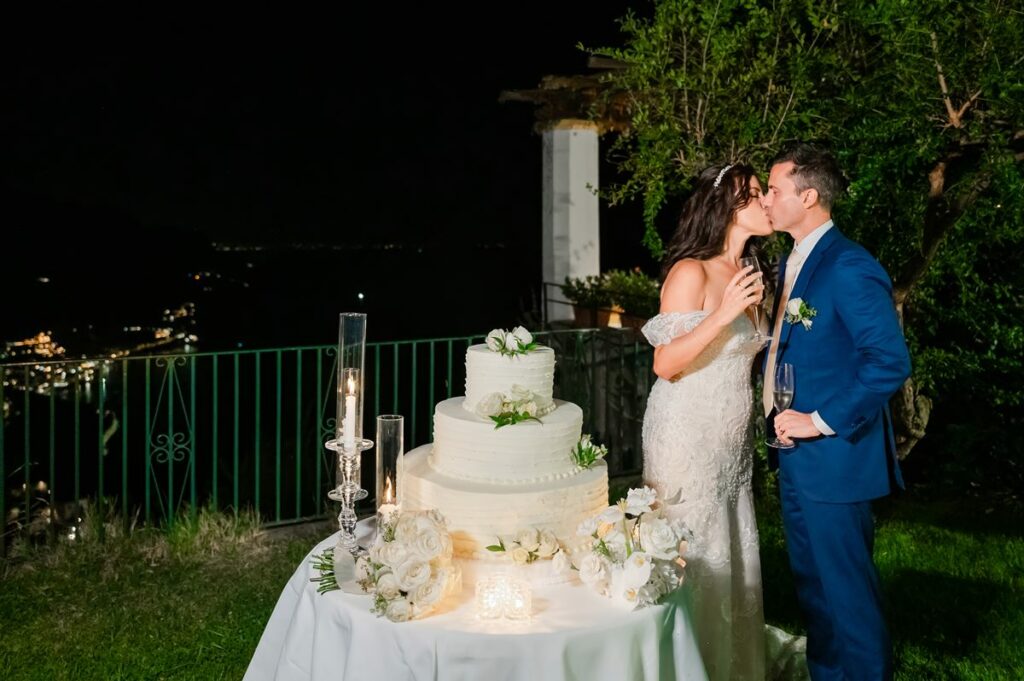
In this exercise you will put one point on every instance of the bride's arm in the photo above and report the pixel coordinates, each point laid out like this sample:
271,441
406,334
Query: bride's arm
684,291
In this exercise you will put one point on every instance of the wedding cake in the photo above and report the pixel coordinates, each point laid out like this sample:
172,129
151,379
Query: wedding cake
502,458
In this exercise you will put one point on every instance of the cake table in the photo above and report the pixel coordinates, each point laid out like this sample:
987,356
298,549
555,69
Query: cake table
574,634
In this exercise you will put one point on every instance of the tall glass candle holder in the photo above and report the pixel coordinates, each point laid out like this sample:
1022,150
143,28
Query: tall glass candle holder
348,442
390,464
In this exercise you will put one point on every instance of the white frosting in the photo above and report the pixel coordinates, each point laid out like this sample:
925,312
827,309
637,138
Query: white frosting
478,513
490,372
538,573
468,447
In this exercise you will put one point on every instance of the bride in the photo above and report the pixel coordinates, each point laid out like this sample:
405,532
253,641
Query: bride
697,433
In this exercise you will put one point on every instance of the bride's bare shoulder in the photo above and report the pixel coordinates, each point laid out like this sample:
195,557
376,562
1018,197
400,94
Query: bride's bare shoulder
684,285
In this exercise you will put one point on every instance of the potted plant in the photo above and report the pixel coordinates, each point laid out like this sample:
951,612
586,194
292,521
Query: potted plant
638,296
590,299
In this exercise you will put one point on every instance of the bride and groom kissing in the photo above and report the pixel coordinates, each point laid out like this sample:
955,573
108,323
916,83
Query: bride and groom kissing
834,329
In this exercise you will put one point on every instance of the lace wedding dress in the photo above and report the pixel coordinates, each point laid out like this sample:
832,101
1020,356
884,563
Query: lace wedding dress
698,452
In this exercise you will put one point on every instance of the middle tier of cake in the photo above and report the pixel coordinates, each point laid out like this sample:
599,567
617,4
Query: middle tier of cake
469,447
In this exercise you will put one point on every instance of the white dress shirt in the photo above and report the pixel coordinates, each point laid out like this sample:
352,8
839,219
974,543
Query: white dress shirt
804,248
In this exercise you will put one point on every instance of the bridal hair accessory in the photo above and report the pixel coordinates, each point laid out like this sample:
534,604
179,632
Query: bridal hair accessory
721,174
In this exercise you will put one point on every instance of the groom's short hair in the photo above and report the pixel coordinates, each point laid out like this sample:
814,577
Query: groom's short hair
814,168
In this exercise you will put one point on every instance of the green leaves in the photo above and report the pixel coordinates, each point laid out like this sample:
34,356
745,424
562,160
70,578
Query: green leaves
510,418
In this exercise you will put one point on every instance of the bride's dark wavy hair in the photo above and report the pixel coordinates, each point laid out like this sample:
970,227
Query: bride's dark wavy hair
706,215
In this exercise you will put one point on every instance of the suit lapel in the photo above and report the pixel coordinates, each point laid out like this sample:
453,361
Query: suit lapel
803,279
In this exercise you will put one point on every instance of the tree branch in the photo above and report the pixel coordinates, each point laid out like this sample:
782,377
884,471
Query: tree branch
940,215
954,117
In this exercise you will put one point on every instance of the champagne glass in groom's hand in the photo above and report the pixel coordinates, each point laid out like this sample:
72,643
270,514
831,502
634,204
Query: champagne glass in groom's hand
782,394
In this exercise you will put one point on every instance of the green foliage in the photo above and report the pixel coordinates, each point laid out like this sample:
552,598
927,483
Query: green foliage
635,292
590,291
936,164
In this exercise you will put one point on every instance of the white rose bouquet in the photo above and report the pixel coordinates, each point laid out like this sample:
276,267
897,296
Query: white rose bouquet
409,569
636,554
518,341
531,544
506,409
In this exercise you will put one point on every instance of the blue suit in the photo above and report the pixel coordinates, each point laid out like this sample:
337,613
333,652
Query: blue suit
846,367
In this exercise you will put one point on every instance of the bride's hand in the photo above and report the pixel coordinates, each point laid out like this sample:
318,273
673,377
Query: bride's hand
742,291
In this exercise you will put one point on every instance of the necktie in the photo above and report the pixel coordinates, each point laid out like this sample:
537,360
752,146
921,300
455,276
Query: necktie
793,263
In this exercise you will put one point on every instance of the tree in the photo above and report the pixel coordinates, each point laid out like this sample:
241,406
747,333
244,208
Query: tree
923,104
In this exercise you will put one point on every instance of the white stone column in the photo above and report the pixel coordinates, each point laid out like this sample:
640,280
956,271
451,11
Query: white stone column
571,229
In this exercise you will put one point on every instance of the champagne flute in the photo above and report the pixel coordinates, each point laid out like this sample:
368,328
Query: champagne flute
782,394
758,337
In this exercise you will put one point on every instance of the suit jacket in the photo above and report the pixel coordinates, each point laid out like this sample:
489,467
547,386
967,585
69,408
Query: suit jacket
846,367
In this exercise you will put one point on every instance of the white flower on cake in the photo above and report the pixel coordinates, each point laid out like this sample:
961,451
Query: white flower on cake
518,341
409,568
530,544
635,553
506,409
585,454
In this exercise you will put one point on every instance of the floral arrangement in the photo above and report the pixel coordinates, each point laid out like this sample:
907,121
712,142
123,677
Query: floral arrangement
518,341
585,454
506,409
409,569
635,555
799,312
530,544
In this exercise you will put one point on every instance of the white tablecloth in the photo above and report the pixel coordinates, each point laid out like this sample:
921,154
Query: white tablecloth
574,634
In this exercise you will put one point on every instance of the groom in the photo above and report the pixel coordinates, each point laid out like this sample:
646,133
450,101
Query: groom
835,323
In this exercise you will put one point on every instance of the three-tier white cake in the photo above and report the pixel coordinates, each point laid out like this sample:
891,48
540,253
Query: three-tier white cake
493,482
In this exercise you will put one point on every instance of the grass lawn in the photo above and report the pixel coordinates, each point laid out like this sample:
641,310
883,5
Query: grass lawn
192,604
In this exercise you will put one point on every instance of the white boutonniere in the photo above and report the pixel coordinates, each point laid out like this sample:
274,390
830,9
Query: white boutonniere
799,312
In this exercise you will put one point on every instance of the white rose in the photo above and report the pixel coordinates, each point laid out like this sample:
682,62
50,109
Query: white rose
428,545
561,564
495,340
511,342
393,553
489,405
427,595
518,393
440,522
594,572
530,408
793,306
411,574
520,556
637,570
399,610
529,539
639,500
406,528
587,528
387,586
658,539
522,335
548,544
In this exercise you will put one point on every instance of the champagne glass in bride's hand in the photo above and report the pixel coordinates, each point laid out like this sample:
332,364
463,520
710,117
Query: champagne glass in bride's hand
755,309
782,394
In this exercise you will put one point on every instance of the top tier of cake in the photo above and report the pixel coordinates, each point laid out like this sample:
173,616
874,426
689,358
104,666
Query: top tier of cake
489,372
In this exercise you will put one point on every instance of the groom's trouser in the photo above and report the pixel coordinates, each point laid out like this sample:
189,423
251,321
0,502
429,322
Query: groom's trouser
830,548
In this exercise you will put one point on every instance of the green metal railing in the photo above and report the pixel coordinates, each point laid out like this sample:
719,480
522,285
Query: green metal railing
161,435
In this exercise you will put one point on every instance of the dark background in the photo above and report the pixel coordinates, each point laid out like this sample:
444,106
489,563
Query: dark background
270,173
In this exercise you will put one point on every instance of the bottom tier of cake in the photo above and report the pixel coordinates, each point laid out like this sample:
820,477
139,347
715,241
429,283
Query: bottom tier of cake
478,513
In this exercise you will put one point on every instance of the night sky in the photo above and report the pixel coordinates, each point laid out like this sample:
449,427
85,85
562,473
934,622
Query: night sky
317,139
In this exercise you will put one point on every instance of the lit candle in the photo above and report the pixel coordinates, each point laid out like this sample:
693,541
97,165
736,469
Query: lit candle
349,426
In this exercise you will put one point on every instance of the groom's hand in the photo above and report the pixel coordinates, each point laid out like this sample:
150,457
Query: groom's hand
790,425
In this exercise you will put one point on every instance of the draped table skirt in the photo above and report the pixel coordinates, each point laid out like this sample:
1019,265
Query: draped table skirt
573,634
